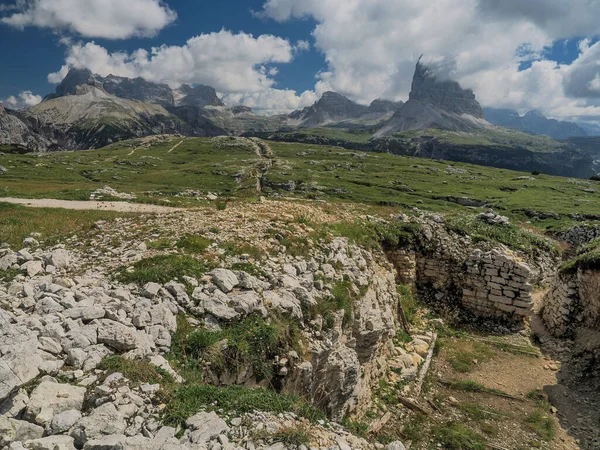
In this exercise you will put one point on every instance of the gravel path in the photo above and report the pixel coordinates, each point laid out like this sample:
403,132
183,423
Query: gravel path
91,205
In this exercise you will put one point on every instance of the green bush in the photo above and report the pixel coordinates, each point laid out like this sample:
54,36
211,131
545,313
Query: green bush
455,436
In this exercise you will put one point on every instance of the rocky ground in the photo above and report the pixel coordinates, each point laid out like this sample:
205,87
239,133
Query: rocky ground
113,338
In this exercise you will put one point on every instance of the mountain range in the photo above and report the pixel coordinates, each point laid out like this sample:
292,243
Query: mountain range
90,111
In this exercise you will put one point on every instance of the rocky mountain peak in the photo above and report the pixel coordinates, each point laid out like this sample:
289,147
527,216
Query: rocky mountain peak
74,79
384,106
199,96
447,95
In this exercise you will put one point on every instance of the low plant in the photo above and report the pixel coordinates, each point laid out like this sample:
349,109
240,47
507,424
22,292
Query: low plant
292,436
541,424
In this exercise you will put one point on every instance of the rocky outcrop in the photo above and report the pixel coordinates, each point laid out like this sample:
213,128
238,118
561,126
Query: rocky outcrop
436,103
14,132
331,108
198,96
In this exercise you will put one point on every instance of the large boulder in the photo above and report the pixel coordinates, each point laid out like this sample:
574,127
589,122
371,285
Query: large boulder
116,335
103,421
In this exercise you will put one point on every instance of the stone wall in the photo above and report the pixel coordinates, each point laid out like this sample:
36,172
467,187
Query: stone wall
579,235
573,302
493,283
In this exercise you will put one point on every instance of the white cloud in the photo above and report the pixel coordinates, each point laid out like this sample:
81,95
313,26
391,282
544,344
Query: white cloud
110,19
23,100
371,47
240,66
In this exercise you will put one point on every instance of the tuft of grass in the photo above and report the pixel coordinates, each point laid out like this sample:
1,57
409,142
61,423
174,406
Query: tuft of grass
161,244
162,269
359,429
343,298
479,412
189,400
455,436
10,274
249,268
413,430
472,386
236,249
193,244
586,261
408,302
292,436
136,370
541,424
464,355
254,342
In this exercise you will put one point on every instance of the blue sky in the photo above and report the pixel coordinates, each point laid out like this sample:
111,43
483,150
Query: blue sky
539,54
35,52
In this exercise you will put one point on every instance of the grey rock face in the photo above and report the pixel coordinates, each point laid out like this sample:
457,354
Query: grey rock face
332,107
447,95
436,103
51,398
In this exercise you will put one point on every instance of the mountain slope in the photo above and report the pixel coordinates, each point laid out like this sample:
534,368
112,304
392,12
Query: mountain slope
436,104
533,122
14,132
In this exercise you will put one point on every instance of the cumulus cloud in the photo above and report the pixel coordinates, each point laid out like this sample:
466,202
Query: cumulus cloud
371,47
240,66
23,100
110,19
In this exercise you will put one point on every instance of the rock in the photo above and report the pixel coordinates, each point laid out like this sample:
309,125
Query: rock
103,421
163,364
114,442
7,261
116,335
224,279
61,259
32,268
396,445
30,242
62,422
205,426
20,359
54,397
14,405
85,313
51,443
150,290
18,430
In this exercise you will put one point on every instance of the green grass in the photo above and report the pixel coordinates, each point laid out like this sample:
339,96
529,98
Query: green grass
189,400
386,183
342,299
292,436
249,268
161,244
193,244
252,343
238,249
10,274
162,269
408,302
18,222
349,135
512,236
541,424
455,436
137,371
479,412
472,386
464,355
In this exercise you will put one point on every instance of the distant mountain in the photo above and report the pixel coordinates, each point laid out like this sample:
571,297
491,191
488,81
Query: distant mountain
590,129
335,109
533,122
138,89
434,103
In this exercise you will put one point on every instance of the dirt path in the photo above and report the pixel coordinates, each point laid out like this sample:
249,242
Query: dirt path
176,145
91,205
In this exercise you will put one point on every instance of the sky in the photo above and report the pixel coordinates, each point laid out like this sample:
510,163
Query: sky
281,55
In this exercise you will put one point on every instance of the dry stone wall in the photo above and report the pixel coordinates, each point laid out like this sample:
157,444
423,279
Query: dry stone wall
573,302
492,283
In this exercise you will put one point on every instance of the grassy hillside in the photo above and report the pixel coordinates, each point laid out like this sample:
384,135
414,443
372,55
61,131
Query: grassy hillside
158,173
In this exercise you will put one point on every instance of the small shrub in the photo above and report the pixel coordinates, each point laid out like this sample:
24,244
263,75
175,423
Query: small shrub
10,274
193,244
136,370
162,269
236,249
359,429
221,205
